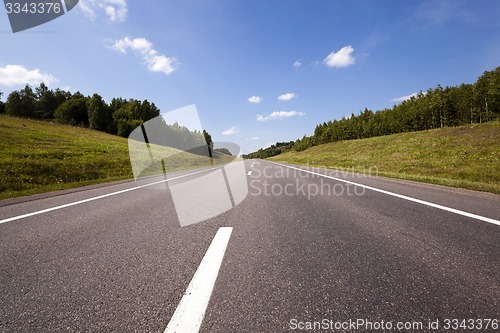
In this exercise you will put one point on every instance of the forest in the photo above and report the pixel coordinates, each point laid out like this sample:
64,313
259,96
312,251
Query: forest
435,108
119,117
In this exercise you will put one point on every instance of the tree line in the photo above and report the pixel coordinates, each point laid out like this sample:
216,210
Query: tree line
119,117
436,108
273,150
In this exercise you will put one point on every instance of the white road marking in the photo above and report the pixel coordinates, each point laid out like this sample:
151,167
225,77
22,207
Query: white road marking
14,218
423,202
189,314
249,173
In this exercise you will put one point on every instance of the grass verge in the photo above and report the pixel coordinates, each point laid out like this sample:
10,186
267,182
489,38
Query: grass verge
38,157
465,156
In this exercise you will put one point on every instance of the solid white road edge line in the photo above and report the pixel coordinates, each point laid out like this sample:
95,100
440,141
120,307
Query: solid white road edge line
189,314
14,218
423,202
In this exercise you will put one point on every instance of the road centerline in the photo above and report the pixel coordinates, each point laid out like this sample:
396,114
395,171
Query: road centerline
189,314
423,202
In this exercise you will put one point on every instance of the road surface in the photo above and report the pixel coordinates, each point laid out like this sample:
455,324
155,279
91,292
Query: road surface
301,250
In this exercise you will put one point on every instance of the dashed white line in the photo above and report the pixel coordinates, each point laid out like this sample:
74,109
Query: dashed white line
189,314
423,202
14,218
249,173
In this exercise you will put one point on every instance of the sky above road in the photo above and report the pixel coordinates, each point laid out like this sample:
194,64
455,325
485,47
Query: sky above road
258,71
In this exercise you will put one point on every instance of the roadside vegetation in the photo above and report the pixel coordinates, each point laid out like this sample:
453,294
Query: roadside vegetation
435,108
53,139
464,156
40,156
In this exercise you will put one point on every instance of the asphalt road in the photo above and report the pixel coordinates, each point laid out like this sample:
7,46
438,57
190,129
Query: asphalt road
303,248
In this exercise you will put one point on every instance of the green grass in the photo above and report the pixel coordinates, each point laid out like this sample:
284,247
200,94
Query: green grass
465,156
38,157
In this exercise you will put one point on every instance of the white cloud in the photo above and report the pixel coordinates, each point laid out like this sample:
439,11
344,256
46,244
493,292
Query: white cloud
405,98
87,8
255,99
141,45
115,10
287,96
253,138
277,115
297,64
13,75
155,61
341,58
231,131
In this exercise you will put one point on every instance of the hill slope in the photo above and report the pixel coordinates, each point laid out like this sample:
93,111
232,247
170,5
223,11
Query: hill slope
38,157
465,156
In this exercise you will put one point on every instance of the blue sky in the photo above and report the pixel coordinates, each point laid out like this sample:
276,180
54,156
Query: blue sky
258,71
